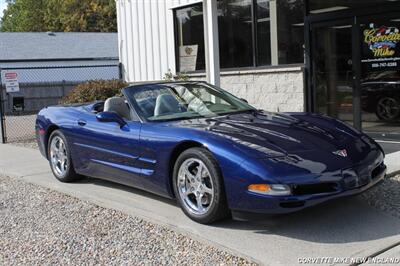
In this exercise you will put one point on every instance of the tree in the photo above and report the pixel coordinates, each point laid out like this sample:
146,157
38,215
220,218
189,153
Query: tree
78,15
60,15
23,15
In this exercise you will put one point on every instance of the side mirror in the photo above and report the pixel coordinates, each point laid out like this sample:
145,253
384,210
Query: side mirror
243,99
111,117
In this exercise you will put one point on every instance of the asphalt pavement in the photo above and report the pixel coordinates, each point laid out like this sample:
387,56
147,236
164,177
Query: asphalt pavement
341,229
390,146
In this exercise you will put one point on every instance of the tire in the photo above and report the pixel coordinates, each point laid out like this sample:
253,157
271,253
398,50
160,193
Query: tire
189,187
388,109
65,171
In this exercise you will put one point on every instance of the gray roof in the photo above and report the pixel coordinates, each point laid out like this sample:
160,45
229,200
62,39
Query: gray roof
58,45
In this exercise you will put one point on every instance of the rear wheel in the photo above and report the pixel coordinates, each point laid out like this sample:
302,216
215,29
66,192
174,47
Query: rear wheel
60,158
198,186
388,109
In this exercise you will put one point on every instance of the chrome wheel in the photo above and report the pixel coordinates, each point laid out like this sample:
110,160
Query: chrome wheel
195,186
388,109
58,156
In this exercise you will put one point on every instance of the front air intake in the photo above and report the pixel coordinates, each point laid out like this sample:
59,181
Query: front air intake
308,189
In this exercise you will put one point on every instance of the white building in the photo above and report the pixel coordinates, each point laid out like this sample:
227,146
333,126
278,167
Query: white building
281,55
148,48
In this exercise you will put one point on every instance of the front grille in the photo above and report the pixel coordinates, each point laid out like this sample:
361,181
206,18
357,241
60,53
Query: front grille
307,189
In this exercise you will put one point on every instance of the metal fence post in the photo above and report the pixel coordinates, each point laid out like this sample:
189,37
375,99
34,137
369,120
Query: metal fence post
2,124
120,71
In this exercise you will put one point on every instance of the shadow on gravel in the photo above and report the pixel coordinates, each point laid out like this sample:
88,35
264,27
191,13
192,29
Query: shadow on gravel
344,220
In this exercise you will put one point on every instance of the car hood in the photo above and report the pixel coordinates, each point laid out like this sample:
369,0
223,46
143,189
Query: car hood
272,134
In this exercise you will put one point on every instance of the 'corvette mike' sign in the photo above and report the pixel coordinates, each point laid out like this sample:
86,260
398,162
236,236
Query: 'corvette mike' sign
381,47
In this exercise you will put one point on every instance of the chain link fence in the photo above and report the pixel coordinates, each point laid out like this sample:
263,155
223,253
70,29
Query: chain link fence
40,87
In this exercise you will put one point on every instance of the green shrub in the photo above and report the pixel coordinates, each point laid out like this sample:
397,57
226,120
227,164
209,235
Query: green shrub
94,90
178,77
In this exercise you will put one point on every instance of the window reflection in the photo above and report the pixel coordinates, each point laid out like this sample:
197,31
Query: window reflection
380,75
235,33
322,6
263,32
189,23
290,31
240,23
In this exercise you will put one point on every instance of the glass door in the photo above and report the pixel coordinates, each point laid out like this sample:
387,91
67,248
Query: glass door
332,69
380,76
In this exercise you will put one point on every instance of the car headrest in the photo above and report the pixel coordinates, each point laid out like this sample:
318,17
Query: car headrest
180,90
185,94
117,105
166,103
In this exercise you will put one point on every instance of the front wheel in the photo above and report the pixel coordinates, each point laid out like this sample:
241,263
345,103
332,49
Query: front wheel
60,158
198,186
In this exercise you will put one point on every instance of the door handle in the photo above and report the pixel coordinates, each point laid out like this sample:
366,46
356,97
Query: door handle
81,122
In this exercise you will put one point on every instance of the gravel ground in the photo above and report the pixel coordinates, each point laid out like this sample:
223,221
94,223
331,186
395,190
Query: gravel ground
30,143
385,196
40,226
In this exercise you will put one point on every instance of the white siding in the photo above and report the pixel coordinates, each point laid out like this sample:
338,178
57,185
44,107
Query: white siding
146,37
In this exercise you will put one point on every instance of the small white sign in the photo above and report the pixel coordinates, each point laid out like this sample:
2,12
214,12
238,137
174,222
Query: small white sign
188,57
10,79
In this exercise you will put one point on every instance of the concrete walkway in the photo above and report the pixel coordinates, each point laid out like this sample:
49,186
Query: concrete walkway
341,229
392,161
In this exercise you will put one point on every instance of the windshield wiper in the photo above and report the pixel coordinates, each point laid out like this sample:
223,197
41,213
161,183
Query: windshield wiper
253,111
177,118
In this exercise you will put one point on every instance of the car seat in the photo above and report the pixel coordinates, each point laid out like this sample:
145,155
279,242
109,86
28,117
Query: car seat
119,106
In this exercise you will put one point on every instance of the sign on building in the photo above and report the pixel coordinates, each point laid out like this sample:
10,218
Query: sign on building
188,57
381,48
10,80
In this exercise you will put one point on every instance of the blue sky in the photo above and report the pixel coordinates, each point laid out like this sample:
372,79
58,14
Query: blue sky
3,5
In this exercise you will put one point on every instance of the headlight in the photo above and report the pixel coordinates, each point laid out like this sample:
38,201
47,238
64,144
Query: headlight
272,190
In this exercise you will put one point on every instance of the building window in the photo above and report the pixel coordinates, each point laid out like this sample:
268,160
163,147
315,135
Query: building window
246,34
235,33
290,15
322,6
190,38
263,33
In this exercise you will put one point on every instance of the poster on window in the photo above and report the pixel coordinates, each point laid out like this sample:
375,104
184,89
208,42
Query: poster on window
188,58
381,47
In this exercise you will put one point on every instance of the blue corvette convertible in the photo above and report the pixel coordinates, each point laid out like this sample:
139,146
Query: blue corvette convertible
211,151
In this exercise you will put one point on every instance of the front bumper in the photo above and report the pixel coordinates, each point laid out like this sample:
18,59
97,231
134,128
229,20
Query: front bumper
263,204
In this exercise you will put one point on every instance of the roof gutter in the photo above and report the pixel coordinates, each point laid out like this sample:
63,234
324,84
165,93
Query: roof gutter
59,59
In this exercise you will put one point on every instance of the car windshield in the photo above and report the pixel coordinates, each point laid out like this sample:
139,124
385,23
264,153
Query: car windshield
171,101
